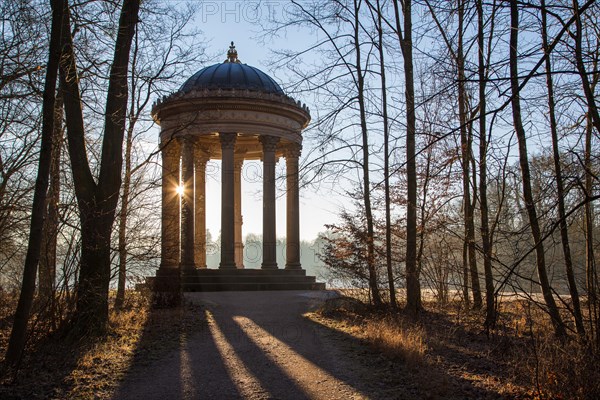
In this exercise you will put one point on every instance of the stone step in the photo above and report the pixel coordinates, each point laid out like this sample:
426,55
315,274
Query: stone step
209,280
247,279
255,286
234,272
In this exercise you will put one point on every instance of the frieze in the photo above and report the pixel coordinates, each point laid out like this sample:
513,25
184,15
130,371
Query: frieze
229,93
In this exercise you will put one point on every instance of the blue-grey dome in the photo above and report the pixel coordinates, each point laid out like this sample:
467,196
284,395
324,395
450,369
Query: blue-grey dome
232,75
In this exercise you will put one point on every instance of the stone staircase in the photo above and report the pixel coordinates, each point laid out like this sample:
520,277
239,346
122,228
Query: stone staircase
216,280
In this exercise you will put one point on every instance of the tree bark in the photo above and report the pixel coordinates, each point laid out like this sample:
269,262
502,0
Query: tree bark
466,162
386,162
97,202
18,335
490,306
590,259
47,271
123,214
557,322
560,191
365,164
413,285
585,81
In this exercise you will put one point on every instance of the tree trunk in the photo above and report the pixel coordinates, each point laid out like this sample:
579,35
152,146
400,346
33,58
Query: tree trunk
490,306
365,164
413,286
122,246
466,162
465,273
47,272
423,208
590,260
386,163
557,322
585,81
97,202
560,191
18,335
123,215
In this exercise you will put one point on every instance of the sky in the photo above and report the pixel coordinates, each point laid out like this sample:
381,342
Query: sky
240,21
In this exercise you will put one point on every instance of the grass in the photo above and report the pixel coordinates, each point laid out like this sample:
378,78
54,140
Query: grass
444,353
398,341
93,367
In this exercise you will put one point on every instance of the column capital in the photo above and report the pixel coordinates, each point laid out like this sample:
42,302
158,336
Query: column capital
187,142
293,151
227,140
202,153
269,143
170,148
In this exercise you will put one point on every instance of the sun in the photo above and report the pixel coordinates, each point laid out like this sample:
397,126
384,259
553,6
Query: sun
179,189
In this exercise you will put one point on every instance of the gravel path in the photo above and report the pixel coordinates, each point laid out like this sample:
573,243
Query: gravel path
253,345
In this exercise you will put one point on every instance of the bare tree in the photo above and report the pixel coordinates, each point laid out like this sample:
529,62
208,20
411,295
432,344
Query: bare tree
486,239
413,285
97,200
18,335
165,31
47,270
386,154
560,191
23,54
557,322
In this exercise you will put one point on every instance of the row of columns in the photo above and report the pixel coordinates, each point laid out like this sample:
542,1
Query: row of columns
184,244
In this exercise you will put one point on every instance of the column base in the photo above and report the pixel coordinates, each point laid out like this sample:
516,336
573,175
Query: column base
167,269
187,269
293,266
227,266
269,266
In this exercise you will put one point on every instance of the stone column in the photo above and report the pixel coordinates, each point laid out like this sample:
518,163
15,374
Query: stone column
200,208
227,201
187,205
170,206
239,244
292,251
269,144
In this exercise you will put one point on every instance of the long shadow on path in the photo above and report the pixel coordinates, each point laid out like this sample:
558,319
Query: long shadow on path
258,345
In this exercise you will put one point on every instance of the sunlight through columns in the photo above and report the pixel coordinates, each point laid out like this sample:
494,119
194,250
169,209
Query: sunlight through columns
186,372
305,373
246,383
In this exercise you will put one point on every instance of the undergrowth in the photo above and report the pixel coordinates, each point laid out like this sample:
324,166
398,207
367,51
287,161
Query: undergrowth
519,359
92,367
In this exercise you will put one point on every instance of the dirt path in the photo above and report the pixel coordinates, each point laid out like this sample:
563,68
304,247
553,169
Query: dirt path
253,345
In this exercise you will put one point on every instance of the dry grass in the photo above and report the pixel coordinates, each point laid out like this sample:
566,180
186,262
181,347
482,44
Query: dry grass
447,350
100,367
93,367
559,370
392,338
388,334
444,354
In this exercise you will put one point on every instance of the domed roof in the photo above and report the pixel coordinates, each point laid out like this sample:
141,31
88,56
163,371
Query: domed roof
232,74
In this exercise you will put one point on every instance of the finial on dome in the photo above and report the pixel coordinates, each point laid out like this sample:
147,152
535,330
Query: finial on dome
232,55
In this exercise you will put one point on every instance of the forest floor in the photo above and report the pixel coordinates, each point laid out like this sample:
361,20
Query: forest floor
274,345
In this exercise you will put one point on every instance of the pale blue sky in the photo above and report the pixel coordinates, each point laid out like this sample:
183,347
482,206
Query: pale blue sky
240,22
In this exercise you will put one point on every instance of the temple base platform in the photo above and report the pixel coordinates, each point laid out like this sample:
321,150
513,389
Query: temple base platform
217,280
